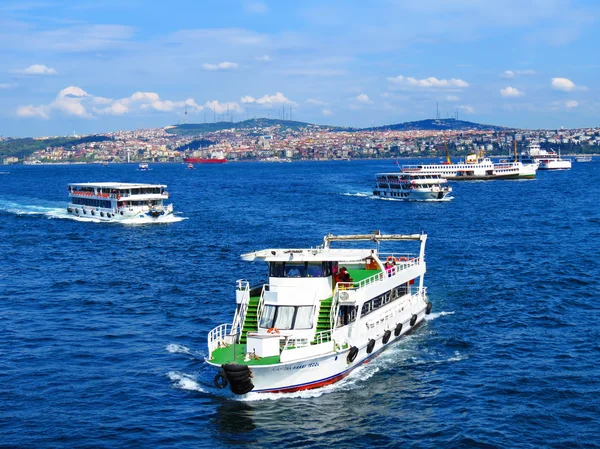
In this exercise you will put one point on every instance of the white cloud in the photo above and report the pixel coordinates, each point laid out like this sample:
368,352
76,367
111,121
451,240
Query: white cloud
7,85
69,101
563,84
571,104
466,108
220,66
221,108
316,102
36,69
511,92
326,112
255,7
510,74
428,83
263,58
77,102
363,98
452,98
268,100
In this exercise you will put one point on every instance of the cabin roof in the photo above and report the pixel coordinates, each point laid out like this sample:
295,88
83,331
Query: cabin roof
114,185
309,255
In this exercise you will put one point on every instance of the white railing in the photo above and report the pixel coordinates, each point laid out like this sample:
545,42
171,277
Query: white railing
240,315
218,337
322,337
261,304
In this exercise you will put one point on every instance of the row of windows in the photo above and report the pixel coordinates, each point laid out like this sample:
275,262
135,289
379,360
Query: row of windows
301,269
381,300
140,203
91,202
286,317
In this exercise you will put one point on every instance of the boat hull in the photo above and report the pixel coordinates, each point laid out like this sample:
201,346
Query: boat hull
326,369
197,160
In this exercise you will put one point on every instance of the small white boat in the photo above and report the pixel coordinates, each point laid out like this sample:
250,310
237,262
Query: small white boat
143,166
116,201
323,312
412,187
583,158
190,166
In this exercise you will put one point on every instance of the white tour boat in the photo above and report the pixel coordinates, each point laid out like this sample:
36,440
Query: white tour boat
116,201
583,158
323,312
546,160
143,167
412,187
476,168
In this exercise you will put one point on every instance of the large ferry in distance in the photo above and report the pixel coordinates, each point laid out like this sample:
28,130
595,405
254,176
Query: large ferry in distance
412,187
476,167
323,312
546,160
116,201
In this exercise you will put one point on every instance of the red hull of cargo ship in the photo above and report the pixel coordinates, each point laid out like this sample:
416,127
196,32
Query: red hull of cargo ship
197,160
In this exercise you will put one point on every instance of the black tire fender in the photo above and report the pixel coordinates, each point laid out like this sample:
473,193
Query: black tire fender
370,346
398,329
413,320
386,336
352,353
428,309
220,380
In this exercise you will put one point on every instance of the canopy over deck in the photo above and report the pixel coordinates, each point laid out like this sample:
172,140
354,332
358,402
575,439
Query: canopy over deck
115,185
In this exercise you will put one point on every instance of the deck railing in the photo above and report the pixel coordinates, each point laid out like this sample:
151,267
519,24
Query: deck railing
218,336
240,314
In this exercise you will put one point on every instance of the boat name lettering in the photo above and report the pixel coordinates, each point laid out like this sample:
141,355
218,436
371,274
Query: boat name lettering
296,367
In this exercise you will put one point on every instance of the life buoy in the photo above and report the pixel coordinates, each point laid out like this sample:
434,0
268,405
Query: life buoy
413,320
370,346
118,197
428,309
273,331
352,354
403,259
220,380
391,259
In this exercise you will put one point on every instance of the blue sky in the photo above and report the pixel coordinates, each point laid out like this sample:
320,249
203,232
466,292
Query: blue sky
96,66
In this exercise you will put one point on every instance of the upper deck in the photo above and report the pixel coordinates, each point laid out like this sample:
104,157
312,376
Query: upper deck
118,190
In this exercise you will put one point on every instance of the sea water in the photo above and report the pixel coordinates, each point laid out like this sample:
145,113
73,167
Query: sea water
103,326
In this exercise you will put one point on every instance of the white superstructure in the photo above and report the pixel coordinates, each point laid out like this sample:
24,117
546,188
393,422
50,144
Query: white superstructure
546,160
116,201
311,324
412,186
476,168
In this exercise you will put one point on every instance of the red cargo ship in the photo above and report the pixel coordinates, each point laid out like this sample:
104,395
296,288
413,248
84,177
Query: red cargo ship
199,160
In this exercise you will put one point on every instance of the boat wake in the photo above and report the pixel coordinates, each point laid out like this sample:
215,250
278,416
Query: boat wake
58,211
185,382
434,316
178,349
359,194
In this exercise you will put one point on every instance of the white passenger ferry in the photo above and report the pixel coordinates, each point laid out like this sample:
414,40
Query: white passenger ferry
116,201
476,168
412,187
546,160
323,312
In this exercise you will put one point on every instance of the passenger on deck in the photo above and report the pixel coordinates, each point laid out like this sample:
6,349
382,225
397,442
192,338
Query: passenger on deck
344,276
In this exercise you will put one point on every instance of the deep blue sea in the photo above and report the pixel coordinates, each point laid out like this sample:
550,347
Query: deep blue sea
103,326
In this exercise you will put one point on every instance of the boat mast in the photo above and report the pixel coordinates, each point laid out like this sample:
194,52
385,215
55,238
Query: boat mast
516,155
448,161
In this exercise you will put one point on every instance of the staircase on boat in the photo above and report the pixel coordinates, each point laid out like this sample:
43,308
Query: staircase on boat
251,319
324,319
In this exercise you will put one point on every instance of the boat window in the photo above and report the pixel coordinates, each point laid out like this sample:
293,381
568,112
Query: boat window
268,316
276,269
315,270
303,318
295,270
284,318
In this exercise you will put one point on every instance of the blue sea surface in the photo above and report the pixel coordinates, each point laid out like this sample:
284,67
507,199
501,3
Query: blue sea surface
104,326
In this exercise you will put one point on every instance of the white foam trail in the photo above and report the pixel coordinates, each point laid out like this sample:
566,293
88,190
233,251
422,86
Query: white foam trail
434,316
54,212
178,349
185,382
358,194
